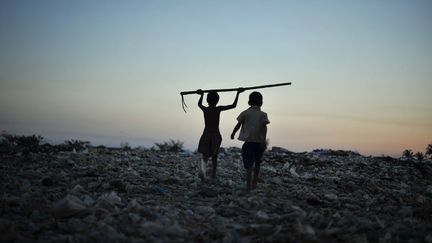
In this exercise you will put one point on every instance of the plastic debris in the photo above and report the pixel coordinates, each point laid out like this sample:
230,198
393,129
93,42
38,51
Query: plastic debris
153,196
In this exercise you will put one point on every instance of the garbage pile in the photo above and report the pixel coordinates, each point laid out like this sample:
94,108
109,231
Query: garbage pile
111,195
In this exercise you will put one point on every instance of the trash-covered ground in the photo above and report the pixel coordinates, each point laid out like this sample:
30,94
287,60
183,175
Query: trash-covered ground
107,195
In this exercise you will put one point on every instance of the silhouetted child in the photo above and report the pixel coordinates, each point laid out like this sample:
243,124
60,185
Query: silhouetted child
211,138
253,123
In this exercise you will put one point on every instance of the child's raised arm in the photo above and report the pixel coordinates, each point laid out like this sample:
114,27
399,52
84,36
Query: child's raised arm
234,104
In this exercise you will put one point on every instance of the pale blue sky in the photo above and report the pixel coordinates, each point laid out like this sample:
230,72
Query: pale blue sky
111,71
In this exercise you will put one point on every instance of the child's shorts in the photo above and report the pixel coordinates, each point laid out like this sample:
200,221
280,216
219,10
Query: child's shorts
252,152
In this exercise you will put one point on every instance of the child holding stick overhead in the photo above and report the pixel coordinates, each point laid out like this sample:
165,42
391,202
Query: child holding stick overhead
211,138
253,123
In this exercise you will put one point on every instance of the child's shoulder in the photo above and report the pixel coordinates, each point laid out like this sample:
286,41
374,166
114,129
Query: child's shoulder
263,114
245,111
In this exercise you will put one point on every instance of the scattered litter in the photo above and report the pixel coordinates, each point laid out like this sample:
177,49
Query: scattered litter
155,196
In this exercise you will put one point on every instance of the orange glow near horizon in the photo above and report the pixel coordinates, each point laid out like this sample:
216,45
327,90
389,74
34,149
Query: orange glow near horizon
112,72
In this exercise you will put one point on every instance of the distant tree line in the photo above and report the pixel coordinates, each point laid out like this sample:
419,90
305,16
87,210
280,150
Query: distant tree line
12,143
408,154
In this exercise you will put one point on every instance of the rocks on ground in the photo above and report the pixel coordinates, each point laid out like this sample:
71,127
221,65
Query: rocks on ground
150,196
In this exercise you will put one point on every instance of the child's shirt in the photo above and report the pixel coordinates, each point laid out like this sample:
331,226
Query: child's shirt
254,123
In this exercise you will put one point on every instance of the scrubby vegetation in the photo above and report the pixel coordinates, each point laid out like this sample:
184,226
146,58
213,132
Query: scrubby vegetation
170,146
11,143
75,144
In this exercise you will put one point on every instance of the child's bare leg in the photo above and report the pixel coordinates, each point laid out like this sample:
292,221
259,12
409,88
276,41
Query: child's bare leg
203,168
248,179
214,160
256,174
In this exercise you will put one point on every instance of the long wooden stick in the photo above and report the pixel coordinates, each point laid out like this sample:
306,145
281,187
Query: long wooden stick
228,90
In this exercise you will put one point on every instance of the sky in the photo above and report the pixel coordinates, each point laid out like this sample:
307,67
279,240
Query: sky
111,71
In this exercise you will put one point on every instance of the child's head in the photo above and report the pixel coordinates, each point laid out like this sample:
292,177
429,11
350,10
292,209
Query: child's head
255,99
212,98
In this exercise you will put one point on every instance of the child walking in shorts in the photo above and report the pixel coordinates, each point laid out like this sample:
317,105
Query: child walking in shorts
253,123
